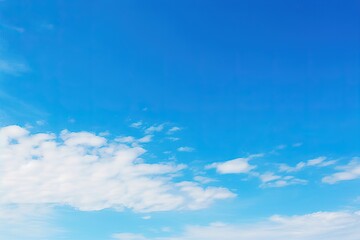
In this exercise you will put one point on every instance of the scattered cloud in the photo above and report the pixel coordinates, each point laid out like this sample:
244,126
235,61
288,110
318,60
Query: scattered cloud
89,172
270,179
318,162
318,225
348,172
186,149
283,181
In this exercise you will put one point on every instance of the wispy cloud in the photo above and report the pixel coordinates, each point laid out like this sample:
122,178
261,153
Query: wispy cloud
154,128
186,149
13,67
316,162
319,225
136,124
270,179
173,130
30,221
13,28
348,172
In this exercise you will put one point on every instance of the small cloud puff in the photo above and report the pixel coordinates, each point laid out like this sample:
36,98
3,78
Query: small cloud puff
238,165
173,130
186,149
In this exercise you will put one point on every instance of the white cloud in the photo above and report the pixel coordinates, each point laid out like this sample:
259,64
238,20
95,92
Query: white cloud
154,128
318,162
40,122
89,172
204,180
238,165
125,139
145,139
283,182
348,172
136,124
173,130
203,197
131,139
185,149
318,225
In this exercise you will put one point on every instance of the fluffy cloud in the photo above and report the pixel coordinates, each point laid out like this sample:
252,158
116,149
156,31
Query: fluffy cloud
90,172
319,226
318,162
238,165
348,172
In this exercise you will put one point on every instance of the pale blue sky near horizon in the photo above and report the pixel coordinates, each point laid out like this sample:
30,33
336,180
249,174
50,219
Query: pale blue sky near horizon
257,102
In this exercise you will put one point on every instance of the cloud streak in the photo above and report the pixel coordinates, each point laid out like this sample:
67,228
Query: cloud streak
318,225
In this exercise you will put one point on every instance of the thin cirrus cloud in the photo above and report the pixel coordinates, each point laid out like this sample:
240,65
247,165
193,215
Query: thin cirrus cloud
316,162
89,172
186,149
348,172
154,128
319,225
26,221
173,130
13,67
269,179
136,124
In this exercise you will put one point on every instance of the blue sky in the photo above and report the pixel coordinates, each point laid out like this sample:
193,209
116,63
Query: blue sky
179,120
